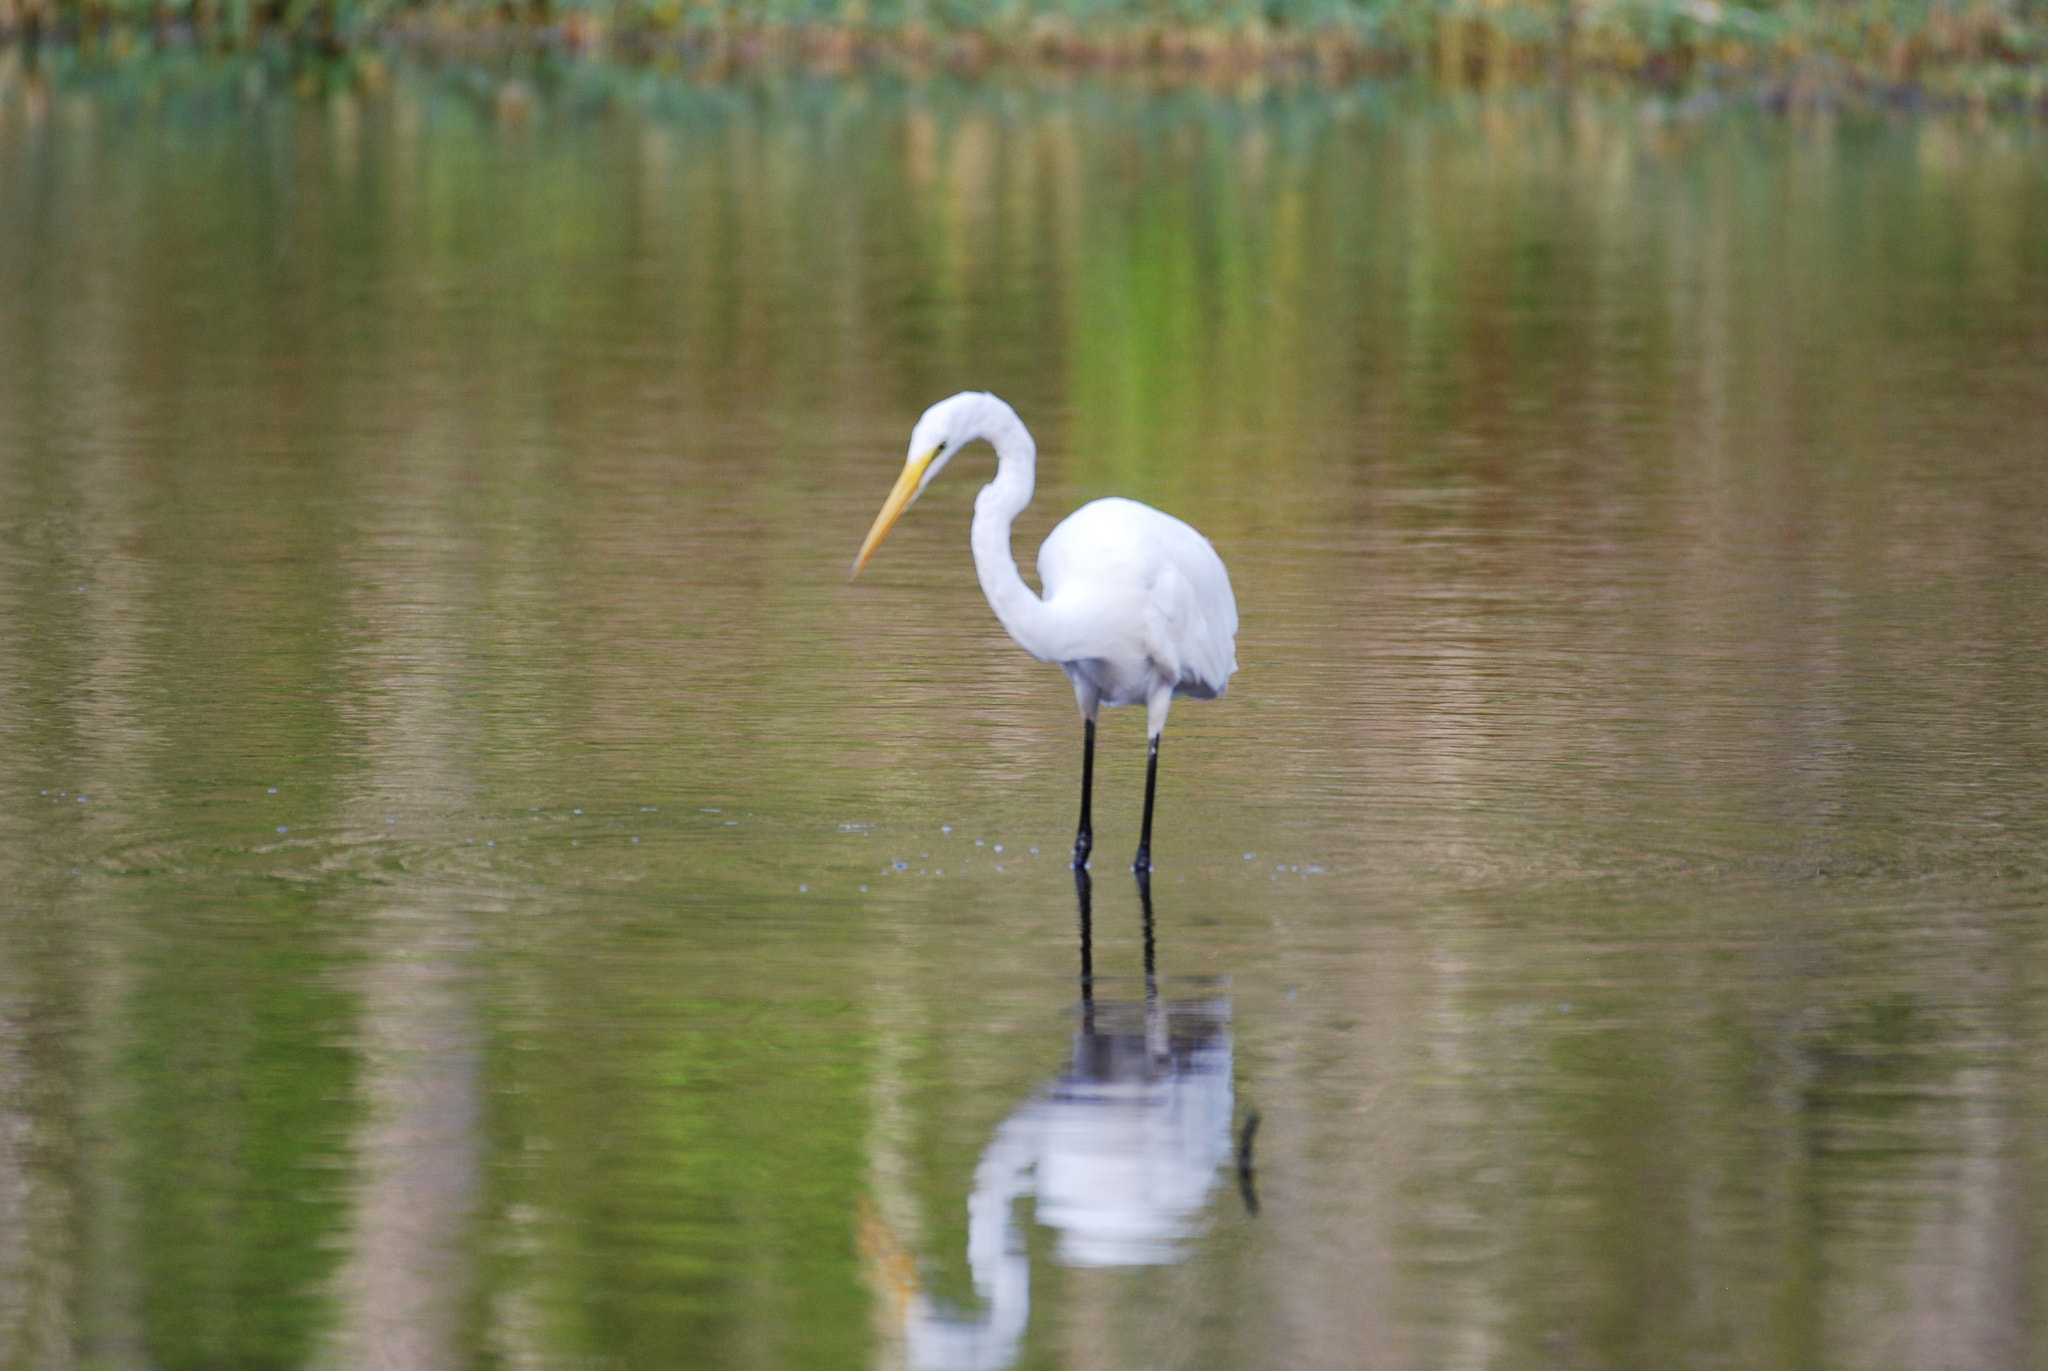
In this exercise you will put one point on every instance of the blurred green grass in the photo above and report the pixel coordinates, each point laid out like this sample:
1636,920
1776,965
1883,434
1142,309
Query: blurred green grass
1990,52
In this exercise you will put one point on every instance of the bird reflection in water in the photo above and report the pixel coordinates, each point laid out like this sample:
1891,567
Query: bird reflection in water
1121,1152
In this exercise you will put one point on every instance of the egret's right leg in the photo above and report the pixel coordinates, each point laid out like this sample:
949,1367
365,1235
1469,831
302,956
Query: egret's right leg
1086,696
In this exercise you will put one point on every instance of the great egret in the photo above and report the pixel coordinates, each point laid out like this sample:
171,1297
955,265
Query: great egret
1137,606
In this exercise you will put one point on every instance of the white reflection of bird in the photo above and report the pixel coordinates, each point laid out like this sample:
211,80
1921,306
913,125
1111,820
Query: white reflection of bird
1137,606
1121,1153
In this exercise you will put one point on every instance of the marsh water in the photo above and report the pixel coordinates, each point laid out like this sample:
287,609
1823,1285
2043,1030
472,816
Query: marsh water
481,888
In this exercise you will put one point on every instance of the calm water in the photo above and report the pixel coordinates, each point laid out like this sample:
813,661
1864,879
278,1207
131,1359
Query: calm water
482,889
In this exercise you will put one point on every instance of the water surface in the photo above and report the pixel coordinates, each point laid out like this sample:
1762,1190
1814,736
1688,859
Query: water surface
483,888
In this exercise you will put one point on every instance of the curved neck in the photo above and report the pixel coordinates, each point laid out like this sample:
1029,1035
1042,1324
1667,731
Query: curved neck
996,509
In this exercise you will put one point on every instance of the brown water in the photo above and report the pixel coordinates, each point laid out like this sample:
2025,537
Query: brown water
451,798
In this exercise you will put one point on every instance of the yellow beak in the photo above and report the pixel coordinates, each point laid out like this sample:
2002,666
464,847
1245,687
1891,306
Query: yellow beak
893,507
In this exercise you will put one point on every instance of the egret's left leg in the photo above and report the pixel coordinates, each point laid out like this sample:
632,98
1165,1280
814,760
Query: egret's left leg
1145,904
1084,835
1155,724
1143,866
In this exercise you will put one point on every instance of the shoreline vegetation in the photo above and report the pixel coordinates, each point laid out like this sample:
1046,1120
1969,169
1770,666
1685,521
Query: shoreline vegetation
1979,54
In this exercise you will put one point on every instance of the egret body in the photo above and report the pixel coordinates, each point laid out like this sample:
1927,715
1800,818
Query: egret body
1136,606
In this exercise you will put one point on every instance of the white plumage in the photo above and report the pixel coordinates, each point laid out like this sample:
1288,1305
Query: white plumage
1137,607
1145,604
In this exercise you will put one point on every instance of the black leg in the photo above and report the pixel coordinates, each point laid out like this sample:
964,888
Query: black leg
1158,1038
1144,863
1084,837
1145,903
1088,1047
1084,891
1245,1186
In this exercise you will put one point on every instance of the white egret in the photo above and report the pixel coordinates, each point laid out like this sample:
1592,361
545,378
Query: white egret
1136,607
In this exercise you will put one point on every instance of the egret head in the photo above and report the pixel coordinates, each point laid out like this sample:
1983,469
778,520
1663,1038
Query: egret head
945,428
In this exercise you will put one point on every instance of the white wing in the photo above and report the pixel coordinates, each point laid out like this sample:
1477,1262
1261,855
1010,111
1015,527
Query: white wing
1141,591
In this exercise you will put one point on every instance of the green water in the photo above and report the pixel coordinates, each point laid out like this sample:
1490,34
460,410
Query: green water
451,796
